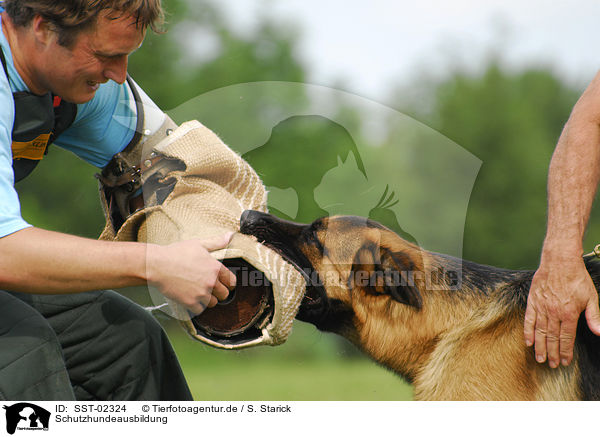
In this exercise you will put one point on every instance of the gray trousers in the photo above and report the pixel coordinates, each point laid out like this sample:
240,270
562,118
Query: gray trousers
88,346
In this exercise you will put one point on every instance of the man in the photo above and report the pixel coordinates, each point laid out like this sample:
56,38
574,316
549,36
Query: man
562,288
58,339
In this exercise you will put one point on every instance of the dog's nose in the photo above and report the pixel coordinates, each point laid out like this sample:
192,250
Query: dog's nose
251,218
255,222
269,227
244,216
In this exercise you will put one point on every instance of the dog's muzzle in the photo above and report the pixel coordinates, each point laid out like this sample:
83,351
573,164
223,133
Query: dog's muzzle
285,238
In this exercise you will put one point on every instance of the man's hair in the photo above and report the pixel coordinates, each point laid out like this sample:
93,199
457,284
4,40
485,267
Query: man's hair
69,17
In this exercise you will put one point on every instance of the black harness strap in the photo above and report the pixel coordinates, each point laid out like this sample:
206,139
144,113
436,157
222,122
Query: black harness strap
37,116
3,63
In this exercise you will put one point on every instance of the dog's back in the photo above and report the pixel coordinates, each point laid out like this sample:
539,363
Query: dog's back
587,345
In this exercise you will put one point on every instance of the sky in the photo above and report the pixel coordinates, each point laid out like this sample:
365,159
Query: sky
371,45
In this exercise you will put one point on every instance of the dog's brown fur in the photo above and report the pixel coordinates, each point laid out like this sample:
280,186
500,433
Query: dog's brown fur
451,342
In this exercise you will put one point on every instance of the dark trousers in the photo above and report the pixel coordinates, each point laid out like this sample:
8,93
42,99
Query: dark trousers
88,346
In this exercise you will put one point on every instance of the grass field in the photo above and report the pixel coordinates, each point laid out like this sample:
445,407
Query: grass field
309,366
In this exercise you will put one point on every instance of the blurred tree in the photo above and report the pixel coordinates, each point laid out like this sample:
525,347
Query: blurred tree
62,195
202,52
511,121
287,159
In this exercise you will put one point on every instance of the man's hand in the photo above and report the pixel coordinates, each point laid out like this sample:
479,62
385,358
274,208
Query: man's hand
560,291
561,288
187,273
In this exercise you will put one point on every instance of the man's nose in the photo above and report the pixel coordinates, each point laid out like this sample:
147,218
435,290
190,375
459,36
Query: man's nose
116,69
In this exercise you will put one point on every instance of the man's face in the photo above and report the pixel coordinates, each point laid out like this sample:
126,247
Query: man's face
97,55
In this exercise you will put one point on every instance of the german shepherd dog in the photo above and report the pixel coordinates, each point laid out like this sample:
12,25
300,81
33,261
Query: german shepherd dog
460,338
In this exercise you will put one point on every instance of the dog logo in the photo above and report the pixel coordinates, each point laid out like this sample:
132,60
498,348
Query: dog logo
317,136
26,416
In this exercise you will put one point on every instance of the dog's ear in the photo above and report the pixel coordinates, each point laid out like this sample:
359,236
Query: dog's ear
378,270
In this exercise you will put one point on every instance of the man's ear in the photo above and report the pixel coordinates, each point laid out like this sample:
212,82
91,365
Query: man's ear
42,30
378,270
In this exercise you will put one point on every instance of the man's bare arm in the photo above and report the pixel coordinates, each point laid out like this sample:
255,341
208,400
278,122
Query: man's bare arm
562,288
33,260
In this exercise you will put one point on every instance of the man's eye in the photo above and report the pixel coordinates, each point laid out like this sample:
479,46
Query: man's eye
106,57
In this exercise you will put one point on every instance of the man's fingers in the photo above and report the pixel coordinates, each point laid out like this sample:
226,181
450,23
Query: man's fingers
227,278
529,327
196,309
541,328
552,345
213,302
217,242
567,341
220,292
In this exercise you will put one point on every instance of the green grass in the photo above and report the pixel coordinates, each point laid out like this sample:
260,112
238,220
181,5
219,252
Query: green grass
309,366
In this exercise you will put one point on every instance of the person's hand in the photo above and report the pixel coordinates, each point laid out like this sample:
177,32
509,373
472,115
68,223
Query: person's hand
560,291
187,273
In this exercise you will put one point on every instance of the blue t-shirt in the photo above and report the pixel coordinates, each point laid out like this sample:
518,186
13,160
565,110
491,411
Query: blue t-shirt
103,126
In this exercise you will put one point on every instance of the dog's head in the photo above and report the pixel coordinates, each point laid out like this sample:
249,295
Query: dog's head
350,264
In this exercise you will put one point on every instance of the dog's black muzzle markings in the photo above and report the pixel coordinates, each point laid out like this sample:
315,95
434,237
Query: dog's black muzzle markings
284,237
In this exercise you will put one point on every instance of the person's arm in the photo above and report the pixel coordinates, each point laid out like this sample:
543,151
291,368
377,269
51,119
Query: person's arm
562,288
33,260
184,272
